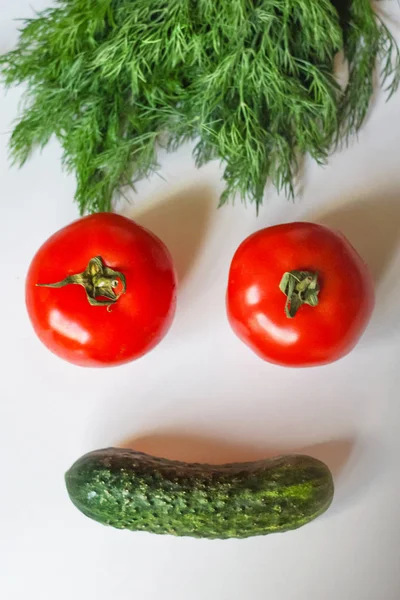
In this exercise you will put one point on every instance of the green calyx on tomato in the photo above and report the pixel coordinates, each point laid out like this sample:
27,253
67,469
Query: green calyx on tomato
98,280
300,287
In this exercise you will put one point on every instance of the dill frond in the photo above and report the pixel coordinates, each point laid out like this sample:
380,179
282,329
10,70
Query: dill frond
250,80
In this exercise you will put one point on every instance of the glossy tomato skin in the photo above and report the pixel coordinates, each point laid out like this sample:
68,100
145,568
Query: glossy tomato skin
315,335
93,336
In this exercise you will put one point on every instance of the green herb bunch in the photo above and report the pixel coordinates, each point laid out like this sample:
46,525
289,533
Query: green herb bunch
250,80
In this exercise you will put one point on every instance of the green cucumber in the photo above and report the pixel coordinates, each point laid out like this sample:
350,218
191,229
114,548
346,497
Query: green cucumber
132,490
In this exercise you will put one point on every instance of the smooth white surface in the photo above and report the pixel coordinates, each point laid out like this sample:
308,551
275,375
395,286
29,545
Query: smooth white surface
202,395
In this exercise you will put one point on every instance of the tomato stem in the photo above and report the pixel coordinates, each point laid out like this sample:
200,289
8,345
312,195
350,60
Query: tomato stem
300,287
98,280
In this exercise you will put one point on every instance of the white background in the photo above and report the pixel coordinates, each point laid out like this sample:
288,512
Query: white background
201,394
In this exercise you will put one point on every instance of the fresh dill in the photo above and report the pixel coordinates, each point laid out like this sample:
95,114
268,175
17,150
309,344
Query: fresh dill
251,81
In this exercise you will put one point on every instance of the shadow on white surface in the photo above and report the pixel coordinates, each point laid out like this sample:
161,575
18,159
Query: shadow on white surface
372,225
192,447
349,459
181,220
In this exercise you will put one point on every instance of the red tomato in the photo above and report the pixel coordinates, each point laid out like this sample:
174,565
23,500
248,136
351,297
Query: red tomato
326,281
126,297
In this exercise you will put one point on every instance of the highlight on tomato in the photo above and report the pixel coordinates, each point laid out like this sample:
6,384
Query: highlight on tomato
101,291
299,294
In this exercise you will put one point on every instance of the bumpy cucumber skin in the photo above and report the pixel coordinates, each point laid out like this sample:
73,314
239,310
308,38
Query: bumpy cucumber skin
132,490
